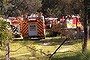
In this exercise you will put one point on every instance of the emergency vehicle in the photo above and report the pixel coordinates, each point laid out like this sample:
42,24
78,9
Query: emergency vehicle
74,23
63,25
52,26
72,27
15,26
33,27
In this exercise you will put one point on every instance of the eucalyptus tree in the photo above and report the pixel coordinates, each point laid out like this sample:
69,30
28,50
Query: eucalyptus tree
18,7
62,7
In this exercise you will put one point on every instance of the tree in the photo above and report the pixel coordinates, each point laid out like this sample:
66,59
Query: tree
5,34
86,5
2,29
62,7
18,7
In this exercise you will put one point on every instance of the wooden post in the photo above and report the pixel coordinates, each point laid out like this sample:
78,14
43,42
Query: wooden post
88,31
41,51
84,47
7,51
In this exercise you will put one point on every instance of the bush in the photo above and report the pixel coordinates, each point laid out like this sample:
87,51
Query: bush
51,34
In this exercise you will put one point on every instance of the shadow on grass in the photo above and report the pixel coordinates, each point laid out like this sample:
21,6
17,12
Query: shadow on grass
72,56
48,42
56,41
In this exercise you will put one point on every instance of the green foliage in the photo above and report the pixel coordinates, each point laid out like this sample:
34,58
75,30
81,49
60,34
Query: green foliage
51,34
3,25
5,34
48,7
62,7
19,7
88,20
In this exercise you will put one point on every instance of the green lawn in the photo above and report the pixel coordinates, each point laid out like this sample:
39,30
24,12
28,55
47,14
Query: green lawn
72,55
70,50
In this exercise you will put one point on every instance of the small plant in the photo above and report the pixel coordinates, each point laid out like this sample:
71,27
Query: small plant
5,34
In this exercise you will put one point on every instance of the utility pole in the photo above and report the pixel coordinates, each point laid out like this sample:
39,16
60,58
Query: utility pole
84,47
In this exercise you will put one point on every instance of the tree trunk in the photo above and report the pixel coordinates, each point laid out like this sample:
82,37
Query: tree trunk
1,43
84,47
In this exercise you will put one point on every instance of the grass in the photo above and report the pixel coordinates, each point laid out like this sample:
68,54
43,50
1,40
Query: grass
71,55
70,50
76,54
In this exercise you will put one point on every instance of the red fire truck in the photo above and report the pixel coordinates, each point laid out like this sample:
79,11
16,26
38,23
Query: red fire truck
33,27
